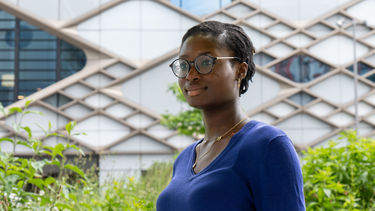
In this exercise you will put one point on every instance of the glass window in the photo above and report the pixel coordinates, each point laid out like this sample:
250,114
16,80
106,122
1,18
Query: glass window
302,98
37,55
371,78
6,54
38,65
262,59
33,44
301,68
33,34
6,16
57,100
33,85
6,65
37,75
362,68
199,7
37,52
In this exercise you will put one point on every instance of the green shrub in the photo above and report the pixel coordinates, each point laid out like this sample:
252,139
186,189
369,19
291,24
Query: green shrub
25,186
188,122
340,178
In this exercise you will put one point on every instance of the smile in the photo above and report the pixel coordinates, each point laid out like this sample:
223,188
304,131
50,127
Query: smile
194,91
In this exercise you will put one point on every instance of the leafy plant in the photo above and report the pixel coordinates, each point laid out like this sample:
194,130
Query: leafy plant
22,180
24,185
188,122
340,178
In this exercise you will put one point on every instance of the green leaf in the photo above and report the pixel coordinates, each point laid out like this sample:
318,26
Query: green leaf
75,147
70,126
49,180
75,169
27,103
7,139
38,182
20,183
28,130
15,110
24,143
49,126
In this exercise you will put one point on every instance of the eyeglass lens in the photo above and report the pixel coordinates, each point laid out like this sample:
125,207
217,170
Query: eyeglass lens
203,65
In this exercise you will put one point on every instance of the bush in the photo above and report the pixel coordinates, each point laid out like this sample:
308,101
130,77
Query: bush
24,184
340,178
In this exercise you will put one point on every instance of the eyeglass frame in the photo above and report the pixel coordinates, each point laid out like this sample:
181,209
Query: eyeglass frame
192,63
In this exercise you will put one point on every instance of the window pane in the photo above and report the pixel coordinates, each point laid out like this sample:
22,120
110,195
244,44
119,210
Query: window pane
25,92
37,75
4,24
361,68
36,35
75,65
37,44
5,15
302,98
199,7
37,65
6,65
301,68
7,44
33,85
25,25
6,95
74,54
37,54
6,54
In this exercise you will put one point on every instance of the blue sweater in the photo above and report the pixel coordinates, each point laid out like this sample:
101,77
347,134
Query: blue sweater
258,170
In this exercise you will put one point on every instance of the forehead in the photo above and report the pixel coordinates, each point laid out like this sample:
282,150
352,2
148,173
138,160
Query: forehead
200,44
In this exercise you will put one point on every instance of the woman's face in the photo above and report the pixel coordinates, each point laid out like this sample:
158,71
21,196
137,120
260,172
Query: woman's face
216,88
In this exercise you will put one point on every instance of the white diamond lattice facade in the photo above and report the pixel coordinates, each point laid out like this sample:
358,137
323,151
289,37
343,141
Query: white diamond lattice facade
304,80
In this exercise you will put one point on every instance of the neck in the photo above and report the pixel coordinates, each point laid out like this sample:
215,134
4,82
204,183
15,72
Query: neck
219,120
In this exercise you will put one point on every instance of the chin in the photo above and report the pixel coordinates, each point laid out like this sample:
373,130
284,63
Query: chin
195,104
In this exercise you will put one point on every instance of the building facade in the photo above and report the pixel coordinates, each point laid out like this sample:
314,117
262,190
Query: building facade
104,64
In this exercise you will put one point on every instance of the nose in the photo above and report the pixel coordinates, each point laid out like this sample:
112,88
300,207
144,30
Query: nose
193,74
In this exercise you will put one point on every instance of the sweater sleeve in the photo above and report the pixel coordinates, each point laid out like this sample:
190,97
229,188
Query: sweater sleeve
280,178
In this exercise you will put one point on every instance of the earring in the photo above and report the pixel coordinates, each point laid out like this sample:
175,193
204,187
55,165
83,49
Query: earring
239,83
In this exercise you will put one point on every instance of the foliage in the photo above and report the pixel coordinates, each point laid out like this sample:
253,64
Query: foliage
23,181
128,194
24,184
340,178
188,122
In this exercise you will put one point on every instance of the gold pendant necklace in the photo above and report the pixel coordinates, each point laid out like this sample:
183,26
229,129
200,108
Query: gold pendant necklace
216,140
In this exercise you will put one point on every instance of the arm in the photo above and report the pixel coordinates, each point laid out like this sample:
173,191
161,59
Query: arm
280,177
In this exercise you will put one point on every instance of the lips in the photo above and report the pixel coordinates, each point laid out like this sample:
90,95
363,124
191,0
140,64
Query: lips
192,91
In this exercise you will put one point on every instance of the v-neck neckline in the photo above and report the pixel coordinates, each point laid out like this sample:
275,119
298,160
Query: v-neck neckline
221,154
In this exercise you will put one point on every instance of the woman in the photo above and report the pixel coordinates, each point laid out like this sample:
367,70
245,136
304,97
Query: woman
240,164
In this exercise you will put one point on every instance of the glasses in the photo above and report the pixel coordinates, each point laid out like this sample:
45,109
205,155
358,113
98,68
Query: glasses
203,64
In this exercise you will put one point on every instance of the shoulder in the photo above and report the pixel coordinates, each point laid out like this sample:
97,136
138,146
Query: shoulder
259,134
257,139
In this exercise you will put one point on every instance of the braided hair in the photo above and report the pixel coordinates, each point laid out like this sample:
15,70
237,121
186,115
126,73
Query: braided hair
232,37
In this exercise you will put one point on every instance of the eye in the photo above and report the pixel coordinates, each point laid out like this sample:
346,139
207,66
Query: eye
183,65
205,61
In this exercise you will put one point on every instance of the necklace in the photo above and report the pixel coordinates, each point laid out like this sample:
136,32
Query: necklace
217,140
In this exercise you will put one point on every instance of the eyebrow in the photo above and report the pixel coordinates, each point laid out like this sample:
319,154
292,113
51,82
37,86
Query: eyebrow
203,53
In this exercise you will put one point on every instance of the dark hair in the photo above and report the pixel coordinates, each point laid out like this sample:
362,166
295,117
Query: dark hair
232,37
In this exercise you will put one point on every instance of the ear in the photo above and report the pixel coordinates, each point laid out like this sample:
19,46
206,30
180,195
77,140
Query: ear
242,70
